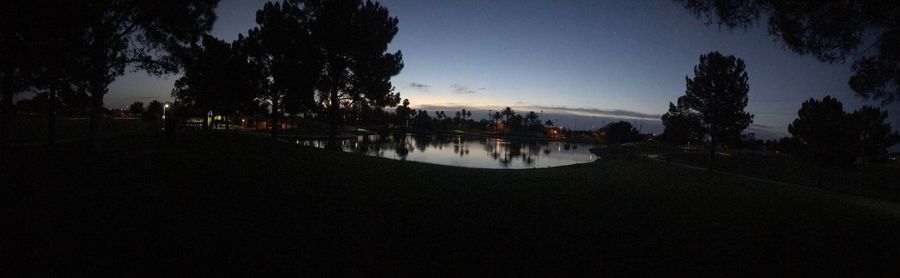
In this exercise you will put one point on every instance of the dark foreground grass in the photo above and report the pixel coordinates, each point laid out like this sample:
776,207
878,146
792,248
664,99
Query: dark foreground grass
240,205
875,180
32,129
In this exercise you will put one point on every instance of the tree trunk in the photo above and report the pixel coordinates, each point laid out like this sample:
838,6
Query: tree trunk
712,152
51,116
507,124
206,123
7,118
333,114
274,119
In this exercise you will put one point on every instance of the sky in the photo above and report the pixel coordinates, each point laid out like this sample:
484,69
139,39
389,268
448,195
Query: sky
587,62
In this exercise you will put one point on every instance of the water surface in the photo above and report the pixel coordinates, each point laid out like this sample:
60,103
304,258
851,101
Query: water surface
465,151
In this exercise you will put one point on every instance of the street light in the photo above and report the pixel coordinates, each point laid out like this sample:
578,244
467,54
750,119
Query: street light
165,107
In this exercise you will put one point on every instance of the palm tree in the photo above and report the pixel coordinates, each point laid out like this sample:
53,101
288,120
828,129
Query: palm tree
532,119
509,113
496,118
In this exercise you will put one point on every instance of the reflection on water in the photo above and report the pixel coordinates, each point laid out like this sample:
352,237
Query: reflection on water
476,152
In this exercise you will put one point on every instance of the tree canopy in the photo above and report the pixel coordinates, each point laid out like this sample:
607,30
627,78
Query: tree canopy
217,77
353,37
681,125
873,129
282,48
824,133
717,95
206,71
141,34
136,108
620,132
40,48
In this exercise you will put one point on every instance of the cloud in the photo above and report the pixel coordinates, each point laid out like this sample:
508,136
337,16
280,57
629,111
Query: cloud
419,86
766,132
583,112
597,112
464,90
761,126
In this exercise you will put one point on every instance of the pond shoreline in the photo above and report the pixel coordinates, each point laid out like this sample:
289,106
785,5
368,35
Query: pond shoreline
355,134
464,150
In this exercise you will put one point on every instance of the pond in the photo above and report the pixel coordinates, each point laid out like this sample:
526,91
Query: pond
465,151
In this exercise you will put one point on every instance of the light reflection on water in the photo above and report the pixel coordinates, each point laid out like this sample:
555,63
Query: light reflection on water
475,152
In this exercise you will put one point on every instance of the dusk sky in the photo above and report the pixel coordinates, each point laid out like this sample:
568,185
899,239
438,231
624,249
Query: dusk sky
609,58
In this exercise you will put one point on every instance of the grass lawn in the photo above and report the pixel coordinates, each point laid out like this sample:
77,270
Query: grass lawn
32,129
225,203
875,180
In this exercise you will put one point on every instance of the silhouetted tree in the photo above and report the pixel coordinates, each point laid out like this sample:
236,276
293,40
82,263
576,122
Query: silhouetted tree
681,125
41,48
353,37
283,48
718,94
206,77
217,77
824,134
442,120
57,57
496,116
423,121
549,123
532,120
620,132
136,33
403,114
244,79
136,108
516,122
829,30
874,132
76,102
508,113
16,28
154,112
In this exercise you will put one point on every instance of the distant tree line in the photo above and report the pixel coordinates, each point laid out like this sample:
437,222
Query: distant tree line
712,113
505,120
304,56
75,49
327,58
825,135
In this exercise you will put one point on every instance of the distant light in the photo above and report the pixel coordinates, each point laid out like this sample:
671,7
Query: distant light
166,106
